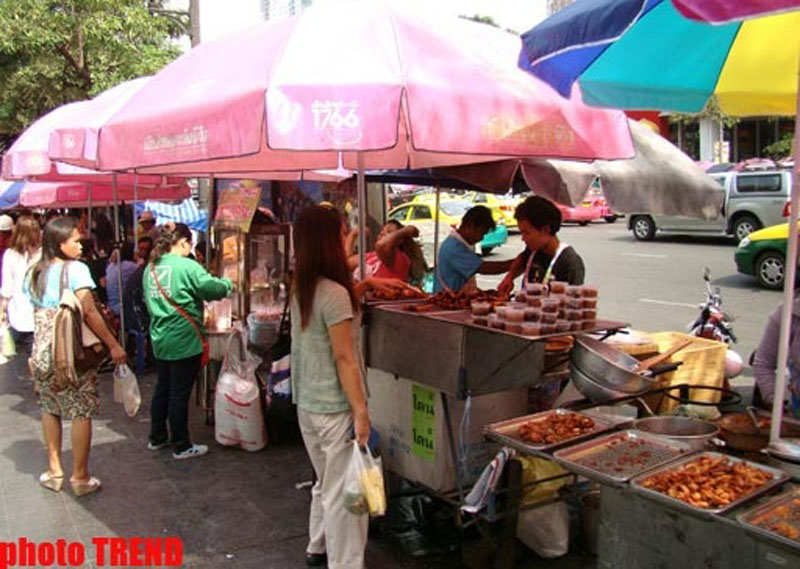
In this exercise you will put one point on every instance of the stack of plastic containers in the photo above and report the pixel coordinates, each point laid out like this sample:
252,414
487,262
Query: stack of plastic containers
540,309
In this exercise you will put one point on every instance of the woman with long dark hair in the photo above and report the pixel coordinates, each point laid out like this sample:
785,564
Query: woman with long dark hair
174,290
58,265
15,306
327,382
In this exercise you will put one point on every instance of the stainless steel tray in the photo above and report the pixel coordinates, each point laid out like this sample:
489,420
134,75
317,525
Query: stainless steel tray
507,432
790,498
778,478
599,458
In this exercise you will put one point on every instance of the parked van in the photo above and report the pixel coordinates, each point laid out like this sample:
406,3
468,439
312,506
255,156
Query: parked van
752,200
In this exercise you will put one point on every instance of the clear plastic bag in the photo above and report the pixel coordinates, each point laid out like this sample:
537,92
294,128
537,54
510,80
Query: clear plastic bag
125,381
363,490
9,349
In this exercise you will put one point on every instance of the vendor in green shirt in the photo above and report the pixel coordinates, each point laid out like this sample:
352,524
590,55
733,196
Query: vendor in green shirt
174,290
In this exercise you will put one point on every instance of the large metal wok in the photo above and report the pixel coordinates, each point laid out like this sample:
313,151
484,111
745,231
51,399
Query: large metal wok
609,366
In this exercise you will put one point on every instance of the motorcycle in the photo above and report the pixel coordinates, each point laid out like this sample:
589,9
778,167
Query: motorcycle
714,324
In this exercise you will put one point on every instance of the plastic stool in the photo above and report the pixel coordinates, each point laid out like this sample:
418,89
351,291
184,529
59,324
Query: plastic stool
141,349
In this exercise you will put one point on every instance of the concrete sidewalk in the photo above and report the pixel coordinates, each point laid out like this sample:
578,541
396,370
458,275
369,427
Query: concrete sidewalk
230,508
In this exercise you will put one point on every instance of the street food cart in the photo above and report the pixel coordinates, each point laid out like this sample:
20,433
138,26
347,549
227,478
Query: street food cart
667,496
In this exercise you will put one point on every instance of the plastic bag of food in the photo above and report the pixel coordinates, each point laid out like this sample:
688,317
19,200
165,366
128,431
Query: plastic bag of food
9,349
364,492
129,386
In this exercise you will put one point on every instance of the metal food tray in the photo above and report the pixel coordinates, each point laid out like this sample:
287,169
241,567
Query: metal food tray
507,432
779,477
748,519
611,447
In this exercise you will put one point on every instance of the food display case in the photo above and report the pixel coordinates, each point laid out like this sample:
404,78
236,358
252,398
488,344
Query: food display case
257,262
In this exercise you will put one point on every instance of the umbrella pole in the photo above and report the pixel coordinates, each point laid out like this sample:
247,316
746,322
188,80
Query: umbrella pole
118,249
89,213
436,227
361,190
788,288
133,211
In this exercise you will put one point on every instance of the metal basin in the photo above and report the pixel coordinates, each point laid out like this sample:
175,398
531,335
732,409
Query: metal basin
694,432
593,389
608,365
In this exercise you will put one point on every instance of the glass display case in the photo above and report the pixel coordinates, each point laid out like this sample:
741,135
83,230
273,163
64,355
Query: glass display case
257,262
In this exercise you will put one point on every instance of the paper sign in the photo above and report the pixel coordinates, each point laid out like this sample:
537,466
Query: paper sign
423,423
237,205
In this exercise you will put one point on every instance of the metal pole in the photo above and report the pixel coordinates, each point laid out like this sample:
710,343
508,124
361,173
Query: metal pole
135,201
118,249
436,226
212,205
89,213
361,190
788,287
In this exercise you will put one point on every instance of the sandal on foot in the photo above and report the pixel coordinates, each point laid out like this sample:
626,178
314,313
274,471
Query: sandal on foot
54,483
83,488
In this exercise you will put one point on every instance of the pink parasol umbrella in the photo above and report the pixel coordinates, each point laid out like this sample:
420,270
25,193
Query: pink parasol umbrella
83,194
348,78
28,157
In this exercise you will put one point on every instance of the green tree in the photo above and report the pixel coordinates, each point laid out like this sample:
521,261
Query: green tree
53,52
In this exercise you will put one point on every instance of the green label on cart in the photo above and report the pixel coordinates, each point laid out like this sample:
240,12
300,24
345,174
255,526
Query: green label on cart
423,423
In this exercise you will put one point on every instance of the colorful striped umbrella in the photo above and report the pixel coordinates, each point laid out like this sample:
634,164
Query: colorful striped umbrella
644,54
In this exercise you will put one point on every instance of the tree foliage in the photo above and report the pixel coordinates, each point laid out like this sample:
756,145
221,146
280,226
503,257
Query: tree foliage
56,51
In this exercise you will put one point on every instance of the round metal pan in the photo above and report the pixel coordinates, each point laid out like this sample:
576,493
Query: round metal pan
593,389
694,432
605,364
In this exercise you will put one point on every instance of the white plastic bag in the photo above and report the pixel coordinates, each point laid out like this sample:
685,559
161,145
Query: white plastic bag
238,414
9,349
545,529
125,381
363,489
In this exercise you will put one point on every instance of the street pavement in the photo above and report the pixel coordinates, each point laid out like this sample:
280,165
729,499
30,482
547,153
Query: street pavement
230,508
238,509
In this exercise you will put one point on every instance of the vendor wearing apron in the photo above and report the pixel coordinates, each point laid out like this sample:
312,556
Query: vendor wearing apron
545,258
458,263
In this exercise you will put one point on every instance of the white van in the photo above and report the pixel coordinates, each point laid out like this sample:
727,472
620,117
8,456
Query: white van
752,200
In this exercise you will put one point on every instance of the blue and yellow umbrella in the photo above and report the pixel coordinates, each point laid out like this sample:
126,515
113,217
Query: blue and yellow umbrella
646,54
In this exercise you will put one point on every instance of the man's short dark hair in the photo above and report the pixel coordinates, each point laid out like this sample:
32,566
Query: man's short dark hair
480,217
145,238
539,212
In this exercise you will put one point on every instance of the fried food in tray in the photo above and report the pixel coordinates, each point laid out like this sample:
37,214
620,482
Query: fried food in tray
556,427
780,516
446,300
709,481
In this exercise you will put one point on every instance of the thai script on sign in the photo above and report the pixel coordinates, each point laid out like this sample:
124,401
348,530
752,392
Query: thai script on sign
194,136
335,114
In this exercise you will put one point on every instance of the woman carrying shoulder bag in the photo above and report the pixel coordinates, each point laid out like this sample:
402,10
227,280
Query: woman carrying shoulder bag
78,402
174,290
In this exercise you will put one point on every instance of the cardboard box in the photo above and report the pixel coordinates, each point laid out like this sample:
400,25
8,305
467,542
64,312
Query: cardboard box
414,440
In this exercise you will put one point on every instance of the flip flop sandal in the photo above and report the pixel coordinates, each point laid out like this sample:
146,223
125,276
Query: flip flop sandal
88,487
54,483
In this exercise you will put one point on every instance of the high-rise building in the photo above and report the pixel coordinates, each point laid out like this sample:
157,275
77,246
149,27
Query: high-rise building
554,6
277,9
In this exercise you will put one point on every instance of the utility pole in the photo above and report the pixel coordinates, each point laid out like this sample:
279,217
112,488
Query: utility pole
194,22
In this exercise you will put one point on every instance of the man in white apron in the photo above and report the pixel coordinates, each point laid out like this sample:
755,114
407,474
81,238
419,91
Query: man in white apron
545,258
457,262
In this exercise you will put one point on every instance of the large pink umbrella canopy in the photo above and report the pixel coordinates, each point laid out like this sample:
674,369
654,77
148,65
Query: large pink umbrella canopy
82,194
351,77
28,157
